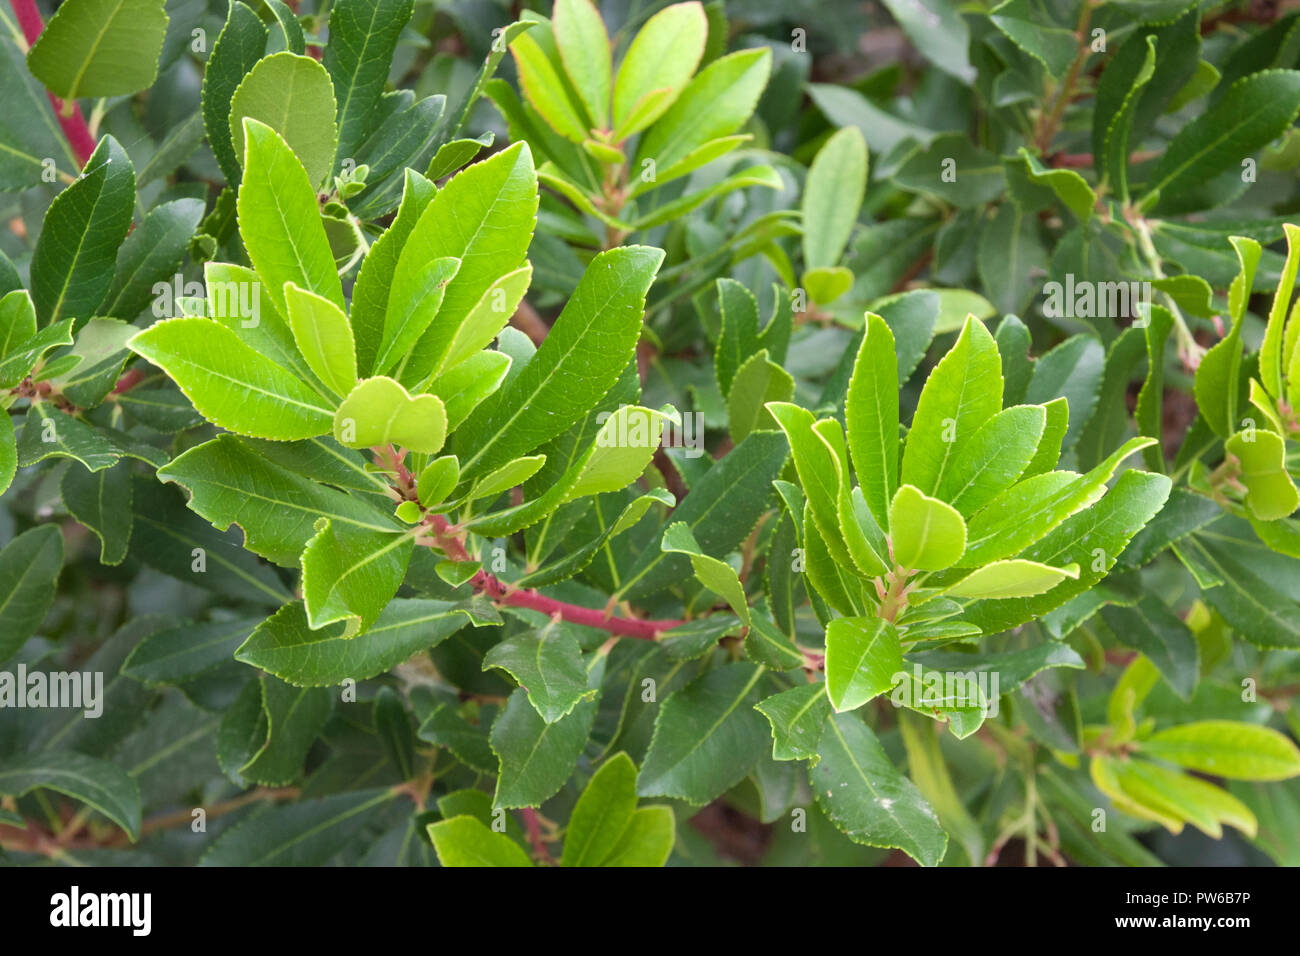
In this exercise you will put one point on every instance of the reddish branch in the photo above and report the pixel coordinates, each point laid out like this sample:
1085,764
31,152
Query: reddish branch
535,838
1085,160
502,593
73,124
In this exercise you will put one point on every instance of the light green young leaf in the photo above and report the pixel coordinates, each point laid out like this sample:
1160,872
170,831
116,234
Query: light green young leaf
647,841
927,534
602,814
1270,492
862,658
485,218
871,417
279,220
324,337
584,49
293,96
1011,578
1226,748
961,394
541,77
231,384
467,841
660,60
993,458
714,104
378,411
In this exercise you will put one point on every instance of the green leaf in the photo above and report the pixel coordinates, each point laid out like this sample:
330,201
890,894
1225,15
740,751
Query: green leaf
485,218
468,743
1226,748
29,572
602,814
1119,91
1029,509
584,48
954,169
721,509
706,738
49,432
927,767
1257,597
1270,492
716,575
1071,188
565,379
714,104
466,841
1252,113
961,394
279,220
350,574
660,60
294,719
993,458
862,658
867,798
151,254
231,384
548,664
1219,373
798,719
307,833
363,35
1011,258
238,47
378,411
927,534
100,47
1272,349
293,96
8,453
757,382
871,417
101,501
29,134
1093,539
99,784
234,483
177,654
324,337
1011,578
543,80
647,841
536,757
72,265
1161,636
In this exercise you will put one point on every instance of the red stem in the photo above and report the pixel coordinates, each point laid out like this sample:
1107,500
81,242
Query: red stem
128,381
74,126
488,584
534,828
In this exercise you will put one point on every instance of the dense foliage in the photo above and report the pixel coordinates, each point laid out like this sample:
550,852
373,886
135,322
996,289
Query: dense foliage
452,433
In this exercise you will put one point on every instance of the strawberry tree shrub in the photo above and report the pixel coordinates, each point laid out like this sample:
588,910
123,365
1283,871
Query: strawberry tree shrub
474,440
